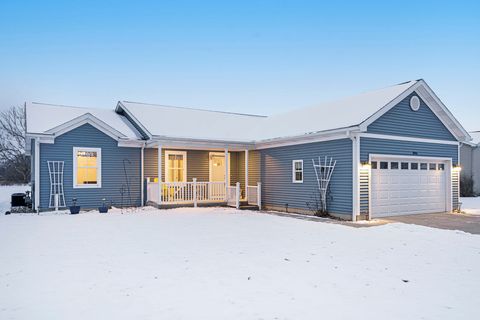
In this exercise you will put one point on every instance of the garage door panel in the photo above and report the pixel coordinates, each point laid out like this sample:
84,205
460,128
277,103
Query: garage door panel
407,191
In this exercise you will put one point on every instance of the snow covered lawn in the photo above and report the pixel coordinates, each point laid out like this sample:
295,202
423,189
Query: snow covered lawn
220,263
471,205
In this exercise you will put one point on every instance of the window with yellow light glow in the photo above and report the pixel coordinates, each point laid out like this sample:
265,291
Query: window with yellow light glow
87,167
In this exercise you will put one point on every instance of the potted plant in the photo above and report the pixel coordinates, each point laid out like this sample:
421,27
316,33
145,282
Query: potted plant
74,209
103,208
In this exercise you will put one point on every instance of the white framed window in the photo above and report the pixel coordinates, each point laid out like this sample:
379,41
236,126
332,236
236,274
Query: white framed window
297,171
87,167
175,166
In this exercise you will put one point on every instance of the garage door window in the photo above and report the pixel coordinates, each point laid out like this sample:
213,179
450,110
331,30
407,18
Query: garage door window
414,166
394,165
374,164
432,166
383,165
441,166
404,166
423,166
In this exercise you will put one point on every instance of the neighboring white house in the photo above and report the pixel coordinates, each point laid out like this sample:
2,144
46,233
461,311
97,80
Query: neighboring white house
470,160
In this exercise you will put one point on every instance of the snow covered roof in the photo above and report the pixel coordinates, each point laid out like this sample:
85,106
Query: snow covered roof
43,118
344,113
475,137
180,122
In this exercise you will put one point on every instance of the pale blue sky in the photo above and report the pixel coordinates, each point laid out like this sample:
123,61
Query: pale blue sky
246,56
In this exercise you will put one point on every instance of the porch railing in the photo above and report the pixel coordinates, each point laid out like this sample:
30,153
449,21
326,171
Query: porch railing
186,192
254,195
201,192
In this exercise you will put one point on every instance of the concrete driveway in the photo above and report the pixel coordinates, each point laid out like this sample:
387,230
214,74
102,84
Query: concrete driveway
450,221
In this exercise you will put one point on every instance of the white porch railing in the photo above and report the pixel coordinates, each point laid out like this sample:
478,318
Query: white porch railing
186,192
254,195
201,192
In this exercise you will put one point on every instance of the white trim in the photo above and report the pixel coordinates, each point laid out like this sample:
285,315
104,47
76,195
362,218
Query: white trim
246,175
159,173
142,175
175,152
222,154
440,110
304,139
37,174
355,176
448,172
130,143
86,118
99,168
294,171
125,109
409,139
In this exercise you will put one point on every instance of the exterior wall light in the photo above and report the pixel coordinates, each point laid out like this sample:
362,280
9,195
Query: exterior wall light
365,165
457,168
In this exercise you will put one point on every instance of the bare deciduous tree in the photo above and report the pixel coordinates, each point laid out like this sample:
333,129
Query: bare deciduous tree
14,164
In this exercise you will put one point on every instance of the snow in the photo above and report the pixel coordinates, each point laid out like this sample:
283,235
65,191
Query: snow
42,117
218,263
470,205
191,123
475,137
6,193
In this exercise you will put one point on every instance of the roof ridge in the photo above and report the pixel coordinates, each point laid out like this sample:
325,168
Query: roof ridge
197,109
68,106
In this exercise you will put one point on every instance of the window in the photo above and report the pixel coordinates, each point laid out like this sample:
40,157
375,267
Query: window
394,165
175,166
404,165
374,164
414,166
383,165
297,171
423,166
432,166
441,166
87,169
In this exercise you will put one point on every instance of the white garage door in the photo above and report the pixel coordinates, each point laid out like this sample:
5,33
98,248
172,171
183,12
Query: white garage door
403,186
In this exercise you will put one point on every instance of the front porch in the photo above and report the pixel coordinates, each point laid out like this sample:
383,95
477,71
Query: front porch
192,177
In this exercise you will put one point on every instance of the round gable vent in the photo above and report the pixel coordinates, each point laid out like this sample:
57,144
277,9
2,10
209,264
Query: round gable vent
415,103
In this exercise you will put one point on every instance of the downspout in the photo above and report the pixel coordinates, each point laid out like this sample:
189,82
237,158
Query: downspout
142,184
355,175
37,175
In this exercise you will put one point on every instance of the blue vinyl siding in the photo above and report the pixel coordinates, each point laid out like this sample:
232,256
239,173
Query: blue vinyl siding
401,120
406,148
113,177
276,175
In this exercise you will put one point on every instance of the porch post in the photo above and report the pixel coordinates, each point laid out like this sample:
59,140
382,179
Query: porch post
159,149
226,174
246,175
142,176
37,175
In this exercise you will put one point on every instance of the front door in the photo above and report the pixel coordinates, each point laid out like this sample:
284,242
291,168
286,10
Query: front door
217,167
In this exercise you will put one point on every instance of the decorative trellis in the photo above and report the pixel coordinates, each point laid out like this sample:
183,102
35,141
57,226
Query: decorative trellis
324,171
55,171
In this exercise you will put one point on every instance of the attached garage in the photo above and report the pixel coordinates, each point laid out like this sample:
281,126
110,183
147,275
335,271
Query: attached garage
409,185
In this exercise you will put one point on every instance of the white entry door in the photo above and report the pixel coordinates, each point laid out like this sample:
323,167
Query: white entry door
402,186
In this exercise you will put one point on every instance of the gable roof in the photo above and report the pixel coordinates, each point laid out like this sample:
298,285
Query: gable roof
181,122
475,138
49,119
354,113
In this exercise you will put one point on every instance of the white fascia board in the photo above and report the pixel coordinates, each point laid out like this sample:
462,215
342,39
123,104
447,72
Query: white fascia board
41,137
410,139
364,125
199,144
336,134
375,156
131,143
451,117
84,119
121,106
421,84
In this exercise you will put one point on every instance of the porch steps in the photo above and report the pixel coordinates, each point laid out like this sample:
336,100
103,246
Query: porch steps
245,206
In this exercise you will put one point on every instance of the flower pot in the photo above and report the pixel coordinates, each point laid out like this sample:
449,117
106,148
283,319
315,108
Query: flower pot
103,209
74,209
